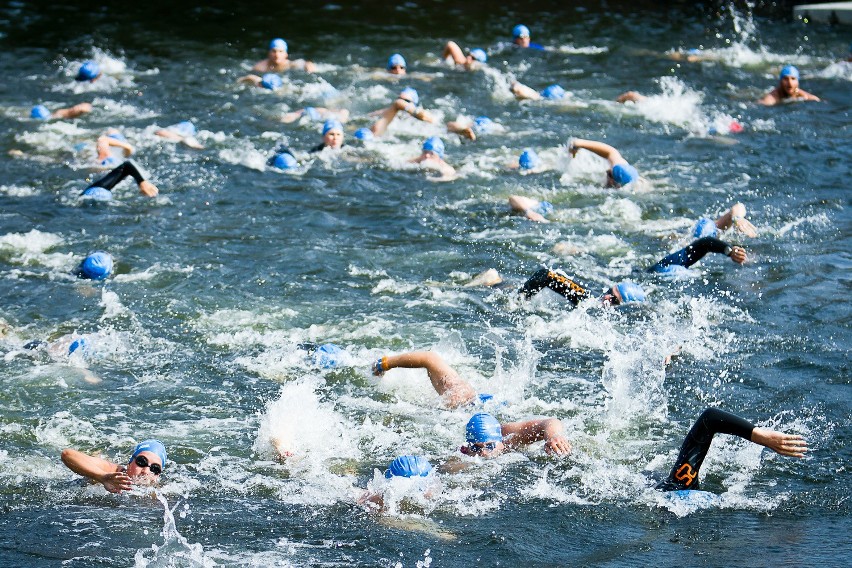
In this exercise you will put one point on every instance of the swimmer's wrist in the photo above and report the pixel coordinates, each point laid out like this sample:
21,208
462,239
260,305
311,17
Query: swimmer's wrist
728,250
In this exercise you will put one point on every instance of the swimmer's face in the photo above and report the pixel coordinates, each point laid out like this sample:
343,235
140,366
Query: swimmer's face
610,181
277,56
430,155
396,69
483,449
612,298
140,468
789,85
523,41
333,139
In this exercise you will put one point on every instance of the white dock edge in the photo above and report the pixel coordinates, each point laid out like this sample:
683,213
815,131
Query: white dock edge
831,12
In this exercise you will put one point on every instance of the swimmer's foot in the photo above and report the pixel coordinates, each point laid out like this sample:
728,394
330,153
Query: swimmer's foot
148,189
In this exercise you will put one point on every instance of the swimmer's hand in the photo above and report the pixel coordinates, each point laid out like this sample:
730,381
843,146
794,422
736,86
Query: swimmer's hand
738,255
535,216
148,189
116,481
744,226
380,367
192,142
790,445
557,445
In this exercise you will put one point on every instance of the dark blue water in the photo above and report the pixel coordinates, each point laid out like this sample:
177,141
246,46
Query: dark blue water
222,276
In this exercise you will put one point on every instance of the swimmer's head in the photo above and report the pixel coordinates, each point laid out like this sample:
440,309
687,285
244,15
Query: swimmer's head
331,124
521,35
482,125
396,64
80,344
40,112
479,54
184,128
96,266
328,355
484,436
117,136
410,94
148,458
278,44
625,293
623,174
363,134
271,81
89,71
529,160
284,161
789,71
408,466
434,145
705,228
96,193
553,93
332,133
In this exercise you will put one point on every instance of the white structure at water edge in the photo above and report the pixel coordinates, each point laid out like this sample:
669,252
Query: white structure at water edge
831,12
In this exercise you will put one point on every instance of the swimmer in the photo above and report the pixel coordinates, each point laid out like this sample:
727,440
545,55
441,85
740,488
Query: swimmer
472,128
733,217
72,348
332,136
269,81
680,261
533,209
316,114
396,65
112,139
562,284
326,355
528,162
432,157
101,189
183,132
525,93
283,159
89,72
620,172
474,58
278,60
454,390
407,101
787,89
487,438
684,474
144,468
41,112
521,38
416,468
96,266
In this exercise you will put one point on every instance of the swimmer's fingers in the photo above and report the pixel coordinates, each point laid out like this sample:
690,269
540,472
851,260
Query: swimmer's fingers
558,445
116,482
148,189
791,445
744,226
738,255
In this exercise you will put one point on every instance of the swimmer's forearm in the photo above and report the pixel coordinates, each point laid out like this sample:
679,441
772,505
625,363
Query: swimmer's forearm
601,149
86,465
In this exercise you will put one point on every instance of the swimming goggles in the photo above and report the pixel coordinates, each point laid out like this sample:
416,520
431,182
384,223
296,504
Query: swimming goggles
142,462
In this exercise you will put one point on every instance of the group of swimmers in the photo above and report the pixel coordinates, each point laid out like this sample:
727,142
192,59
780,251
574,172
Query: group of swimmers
485,436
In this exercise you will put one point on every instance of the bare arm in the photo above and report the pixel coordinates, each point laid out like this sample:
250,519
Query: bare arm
790,445
453,50
769,99
73,112
444,378
253,79
530,431
600,148
112,476
522,92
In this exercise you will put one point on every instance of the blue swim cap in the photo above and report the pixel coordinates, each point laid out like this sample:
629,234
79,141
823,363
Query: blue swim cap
363,134
483,428
184,128
97,193
544,208
479,54
40,112
96,266
328,355
624,174
789,71
153,446
396,59
278,43
117,136
484,397
408,466
88,72
705,228
529,159
631,292
271,81
520,31
482,124
80,343
411,93
553,92
312,113
284,161
434,144
331,124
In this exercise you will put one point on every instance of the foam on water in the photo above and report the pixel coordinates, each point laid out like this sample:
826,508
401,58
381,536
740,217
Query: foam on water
175,549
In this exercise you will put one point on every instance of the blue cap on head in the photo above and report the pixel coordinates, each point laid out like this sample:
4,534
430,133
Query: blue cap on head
328,355
529,159
479,54
331,124
40,112
96,266
271,81
520,31
97,193
363,134
117,136
624,174
89,71
284,161
80,343
411,94
631,292
434,144
312,113
482,124
789,71
705,228
408,466
278,43
553,92
153,446
483,428
544,208
396,60
184,128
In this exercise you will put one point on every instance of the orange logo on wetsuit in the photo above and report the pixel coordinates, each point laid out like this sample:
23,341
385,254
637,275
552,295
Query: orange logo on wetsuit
685,472
566,281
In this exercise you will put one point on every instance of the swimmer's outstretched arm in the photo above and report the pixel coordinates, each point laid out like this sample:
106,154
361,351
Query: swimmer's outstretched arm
445,380
630,96
387,115
453,50
530,431
697,250
527,205
736,216
462,128
253,79
106,142
522,92
112,476
72,112
128,168
601,149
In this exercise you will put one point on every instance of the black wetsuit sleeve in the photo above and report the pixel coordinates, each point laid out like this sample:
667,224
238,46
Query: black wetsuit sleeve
559,283
114,177
693,253
684,474
317,148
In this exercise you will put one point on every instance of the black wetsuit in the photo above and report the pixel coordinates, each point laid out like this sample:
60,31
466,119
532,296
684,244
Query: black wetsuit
114,177
684,474
320,147
691,254
557,282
